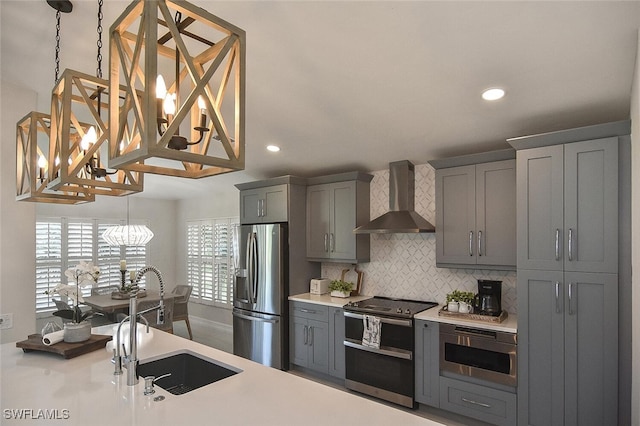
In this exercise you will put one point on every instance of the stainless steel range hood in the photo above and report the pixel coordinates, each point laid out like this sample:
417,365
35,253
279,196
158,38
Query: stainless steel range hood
401,217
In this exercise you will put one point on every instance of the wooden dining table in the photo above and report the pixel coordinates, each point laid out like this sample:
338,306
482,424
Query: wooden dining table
105,304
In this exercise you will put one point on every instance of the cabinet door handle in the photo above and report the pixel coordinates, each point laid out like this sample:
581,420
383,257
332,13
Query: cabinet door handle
557,244
470,243
310,336
332,242
264,207
259,210
557,297
481,404
326,244
306,334
570,244
479,243
570,298
308,311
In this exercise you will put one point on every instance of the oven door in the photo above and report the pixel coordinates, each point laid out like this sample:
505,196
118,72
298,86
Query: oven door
482,354
387,372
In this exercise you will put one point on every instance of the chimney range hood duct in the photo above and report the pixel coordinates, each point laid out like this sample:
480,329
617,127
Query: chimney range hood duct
401,218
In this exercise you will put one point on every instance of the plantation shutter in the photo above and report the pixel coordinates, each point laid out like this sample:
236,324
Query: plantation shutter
48,261
210,260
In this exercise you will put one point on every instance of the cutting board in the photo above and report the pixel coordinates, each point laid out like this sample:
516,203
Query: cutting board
67,350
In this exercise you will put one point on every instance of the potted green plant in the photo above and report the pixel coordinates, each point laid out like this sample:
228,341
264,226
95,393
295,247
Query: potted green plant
82,275
339,288
460,301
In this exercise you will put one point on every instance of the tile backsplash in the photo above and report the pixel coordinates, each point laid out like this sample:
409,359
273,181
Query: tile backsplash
404,265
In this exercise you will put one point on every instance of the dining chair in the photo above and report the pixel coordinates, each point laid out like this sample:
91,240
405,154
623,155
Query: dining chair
152,316
181,305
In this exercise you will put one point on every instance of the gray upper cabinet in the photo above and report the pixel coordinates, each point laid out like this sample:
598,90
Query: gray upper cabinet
475,215
567,348
334,210
568,207
264,205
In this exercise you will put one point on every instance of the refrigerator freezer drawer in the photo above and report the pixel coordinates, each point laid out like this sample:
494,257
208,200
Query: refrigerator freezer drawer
260,338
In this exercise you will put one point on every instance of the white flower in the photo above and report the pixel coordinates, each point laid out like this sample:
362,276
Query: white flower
68,290
84,274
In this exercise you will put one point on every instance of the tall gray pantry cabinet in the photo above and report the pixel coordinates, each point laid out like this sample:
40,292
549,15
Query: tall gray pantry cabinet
567,203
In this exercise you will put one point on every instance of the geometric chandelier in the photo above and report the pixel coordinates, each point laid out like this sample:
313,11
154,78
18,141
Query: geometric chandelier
182,112
32,167
76,149
82,160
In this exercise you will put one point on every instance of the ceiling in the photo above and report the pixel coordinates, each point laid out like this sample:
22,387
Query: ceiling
343,86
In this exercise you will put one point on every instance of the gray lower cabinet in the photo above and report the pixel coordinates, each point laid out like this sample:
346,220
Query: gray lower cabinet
309,336
427,363
567,348
568,207
264,205
336,343
476,215
480,402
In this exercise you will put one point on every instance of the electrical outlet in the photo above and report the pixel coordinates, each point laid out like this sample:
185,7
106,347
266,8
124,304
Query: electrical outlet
6,321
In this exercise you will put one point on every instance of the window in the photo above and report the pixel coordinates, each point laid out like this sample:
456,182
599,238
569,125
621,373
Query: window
210,261
64,242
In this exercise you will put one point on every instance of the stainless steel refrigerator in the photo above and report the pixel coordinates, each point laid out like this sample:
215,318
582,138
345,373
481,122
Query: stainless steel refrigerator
260,330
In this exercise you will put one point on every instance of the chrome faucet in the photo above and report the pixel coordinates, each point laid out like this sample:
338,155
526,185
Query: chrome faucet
131,361
117,357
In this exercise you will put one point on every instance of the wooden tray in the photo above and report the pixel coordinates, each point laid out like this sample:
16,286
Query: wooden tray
473,317
67,350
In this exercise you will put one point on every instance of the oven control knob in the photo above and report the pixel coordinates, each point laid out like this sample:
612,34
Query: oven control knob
399,311
408,311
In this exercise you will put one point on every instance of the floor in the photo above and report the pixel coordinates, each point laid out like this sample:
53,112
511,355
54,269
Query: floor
221,337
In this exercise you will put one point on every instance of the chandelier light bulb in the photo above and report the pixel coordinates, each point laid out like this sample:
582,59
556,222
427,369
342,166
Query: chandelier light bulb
169,105
57,160
202,105
161,88
42,162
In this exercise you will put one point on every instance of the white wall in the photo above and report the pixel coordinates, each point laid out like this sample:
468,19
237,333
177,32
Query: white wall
17,230
635,230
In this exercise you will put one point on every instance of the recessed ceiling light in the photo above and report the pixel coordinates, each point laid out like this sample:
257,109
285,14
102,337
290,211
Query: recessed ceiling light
492,94
273,148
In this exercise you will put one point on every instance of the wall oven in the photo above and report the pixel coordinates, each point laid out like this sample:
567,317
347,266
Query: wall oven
386,372
479,353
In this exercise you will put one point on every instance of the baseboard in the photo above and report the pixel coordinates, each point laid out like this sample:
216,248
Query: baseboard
225,328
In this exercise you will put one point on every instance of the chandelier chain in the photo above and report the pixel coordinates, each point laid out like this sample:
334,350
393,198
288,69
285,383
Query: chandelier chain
99,42
57,69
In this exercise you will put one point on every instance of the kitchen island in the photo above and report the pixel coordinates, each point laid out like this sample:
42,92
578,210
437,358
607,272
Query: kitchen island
83,390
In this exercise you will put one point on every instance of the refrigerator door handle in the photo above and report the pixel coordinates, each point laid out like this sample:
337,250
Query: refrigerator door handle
254,268
250,318
249,266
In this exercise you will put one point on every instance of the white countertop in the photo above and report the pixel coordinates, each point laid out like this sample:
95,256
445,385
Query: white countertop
89,392
326,299
509,325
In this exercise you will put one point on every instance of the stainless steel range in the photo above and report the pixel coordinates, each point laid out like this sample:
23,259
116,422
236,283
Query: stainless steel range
385,369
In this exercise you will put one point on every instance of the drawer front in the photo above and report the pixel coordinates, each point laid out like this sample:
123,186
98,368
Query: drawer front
480,402
310,311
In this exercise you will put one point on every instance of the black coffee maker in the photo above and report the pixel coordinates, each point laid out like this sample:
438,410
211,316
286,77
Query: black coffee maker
489,298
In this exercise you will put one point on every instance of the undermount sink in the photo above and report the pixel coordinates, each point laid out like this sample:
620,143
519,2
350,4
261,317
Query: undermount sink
189,371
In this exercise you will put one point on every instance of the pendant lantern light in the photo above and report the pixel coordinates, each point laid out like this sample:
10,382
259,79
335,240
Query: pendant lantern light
83,151
33,146
192,125
32,141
